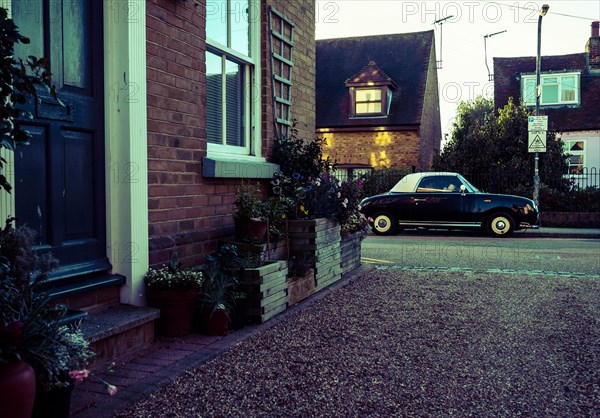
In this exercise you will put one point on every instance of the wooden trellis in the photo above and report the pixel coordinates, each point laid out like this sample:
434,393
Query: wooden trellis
281,41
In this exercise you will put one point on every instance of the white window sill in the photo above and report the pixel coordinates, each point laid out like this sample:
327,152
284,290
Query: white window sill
223,166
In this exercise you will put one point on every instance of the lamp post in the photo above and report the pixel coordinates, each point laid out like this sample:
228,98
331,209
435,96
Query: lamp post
538,91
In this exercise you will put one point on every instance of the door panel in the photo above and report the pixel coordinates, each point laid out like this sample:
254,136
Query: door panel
60,176
438,207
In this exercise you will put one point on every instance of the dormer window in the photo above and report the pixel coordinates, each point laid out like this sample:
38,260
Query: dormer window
371,92
367,101
555,89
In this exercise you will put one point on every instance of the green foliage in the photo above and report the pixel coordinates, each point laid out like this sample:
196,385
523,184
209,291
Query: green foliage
381,181
487,143
32,328
221,287
575,200
248,203
297,156
18,81
174,277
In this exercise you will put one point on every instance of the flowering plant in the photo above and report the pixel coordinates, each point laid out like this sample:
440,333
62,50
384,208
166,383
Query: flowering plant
78,376
173,277
31,328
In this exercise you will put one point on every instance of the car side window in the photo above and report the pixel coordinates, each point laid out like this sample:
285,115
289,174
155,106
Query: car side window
439,184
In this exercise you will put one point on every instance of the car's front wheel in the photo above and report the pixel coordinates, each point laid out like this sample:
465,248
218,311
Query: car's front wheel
384,224
500,225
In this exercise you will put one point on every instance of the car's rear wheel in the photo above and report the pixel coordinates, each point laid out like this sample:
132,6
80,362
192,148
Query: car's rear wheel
384,224
500,225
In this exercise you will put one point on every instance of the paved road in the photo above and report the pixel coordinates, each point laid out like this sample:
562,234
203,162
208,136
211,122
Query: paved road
463,251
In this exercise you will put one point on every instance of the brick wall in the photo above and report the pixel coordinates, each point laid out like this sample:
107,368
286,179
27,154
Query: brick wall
187,212
302,14
378,149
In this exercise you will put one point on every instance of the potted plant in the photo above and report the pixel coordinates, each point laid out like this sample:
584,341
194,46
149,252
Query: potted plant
37,348
250,213
221,289
174,291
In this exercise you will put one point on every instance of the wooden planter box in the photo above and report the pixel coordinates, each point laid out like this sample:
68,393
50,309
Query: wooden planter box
271,251
322,238
266,291
350,249
299,288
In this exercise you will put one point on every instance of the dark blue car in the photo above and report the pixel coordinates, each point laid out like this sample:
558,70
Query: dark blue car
447,201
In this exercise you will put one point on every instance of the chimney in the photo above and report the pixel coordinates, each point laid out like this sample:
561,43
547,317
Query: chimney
593,47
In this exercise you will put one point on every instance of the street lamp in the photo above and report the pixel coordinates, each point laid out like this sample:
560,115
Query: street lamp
538,91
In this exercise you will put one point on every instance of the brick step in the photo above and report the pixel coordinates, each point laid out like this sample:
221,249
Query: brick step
119,330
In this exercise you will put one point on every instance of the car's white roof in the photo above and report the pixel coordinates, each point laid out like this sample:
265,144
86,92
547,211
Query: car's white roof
409,182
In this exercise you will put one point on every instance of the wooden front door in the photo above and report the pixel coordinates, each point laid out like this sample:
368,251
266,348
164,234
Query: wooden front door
59,177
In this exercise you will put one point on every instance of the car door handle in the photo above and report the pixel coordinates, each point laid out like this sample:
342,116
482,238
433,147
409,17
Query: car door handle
419,200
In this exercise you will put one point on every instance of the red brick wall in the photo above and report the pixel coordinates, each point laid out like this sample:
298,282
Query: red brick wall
378,149
302,14
187,212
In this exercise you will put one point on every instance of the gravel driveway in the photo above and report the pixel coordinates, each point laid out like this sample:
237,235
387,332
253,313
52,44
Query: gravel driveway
403,343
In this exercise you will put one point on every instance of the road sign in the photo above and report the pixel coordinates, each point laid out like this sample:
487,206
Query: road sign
537,123
537,141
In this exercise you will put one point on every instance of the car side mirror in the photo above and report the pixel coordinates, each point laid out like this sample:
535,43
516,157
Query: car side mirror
463,189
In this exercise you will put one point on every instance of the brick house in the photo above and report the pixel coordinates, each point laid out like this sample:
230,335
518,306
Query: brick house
570,97
378,101
170,106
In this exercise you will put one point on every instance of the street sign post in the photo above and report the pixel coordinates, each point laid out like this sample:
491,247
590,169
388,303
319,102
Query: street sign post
537,123
537,127
537,141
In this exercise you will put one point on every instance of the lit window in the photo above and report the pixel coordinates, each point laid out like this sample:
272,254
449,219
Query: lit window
232,34
368,101
576,151
555,89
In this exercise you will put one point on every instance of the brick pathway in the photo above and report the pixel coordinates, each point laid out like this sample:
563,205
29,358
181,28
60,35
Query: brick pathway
167,359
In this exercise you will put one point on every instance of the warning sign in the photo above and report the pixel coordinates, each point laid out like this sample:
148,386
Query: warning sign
537,141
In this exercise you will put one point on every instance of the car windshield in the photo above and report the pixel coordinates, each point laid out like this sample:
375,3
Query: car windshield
469,185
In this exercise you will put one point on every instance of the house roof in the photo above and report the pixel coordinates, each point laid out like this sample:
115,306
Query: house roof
371,73
507,83
400,58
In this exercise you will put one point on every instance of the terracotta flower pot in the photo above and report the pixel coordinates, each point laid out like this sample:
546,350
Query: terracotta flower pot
17,389
53,403
176,310
217,323
249,228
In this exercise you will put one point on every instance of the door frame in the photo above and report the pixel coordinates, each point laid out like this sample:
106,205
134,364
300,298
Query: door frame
125,127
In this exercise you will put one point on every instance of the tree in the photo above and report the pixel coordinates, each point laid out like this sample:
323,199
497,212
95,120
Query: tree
18,81
491,149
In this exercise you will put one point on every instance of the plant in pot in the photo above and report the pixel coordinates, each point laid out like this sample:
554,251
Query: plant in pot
37,348
221,290
250,213
174,290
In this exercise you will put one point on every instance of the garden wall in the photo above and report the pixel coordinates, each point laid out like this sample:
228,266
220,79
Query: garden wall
571,219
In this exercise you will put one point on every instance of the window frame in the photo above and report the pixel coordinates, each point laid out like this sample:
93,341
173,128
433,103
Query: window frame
251,73
385,101
531,78
567,144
